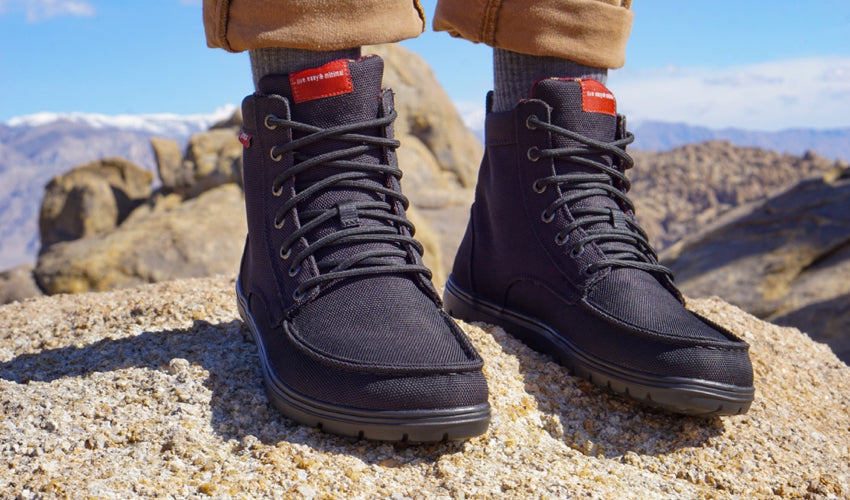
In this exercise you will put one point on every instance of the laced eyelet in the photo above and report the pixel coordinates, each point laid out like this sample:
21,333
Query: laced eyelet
297,296
538,188
275,157
533,153
277,191
294,271
547,218
268,125
561,241
285,255
278,223
528,124
577,251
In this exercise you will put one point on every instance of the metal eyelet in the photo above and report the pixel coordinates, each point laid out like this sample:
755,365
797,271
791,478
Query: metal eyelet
577,251
285,255
538,188
533,153
297,296
273,156
547,218
528,123
278,223
561,241
268,125
588,273
294,271
277,191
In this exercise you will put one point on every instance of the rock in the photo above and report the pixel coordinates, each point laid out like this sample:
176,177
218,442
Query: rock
235,120
159,241
786,258
169,163
212,158
155,392
680,191
426,112
91,199
18,284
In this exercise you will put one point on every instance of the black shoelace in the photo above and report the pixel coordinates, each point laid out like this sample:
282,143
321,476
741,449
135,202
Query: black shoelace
615,231
381,259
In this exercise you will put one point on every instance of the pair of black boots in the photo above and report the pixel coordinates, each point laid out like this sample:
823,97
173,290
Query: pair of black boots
352,335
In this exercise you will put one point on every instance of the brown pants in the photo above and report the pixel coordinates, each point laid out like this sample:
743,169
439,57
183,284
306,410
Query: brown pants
591,32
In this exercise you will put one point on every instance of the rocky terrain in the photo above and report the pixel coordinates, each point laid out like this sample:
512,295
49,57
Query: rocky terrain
786,259
36,148
156,391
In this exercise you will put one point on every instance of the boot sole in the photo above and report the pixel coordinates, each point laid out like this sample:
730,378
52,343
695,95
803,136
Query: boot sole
415,426
683,395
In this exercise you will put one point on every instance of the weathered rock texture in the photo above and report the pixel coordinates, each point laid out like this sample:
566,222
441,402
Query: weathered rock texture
786,259
161,240
680,191
91,199
156,392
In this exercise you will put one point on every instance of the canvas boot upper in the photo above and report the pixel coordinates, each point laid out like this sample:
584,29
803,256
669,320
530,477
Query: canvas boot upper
553,239
331,274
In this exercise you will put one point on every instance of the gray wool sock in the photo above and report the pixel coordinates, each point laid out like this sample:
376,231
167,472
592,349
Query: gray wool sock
279,60
515,74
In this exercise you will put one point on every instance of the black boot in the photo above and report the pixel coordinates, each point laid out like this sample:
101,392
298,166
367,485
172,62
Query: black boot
554,254
351,333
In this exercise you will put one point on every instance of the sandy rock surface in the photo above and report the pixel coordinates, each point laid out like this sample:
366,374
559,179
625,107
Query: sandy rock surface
156,392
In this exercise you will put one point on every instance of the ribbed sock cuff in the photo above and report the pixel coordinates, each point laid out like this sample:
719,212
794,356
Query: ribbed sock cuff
516,73
279,60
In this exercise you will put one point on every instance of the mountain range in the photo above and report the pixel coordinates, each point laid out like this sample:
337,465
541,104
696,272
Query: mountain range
35,148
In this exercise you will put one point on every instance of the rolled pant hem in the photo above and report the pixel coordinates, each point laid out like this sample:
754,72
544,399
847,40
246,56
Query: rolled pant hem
309,24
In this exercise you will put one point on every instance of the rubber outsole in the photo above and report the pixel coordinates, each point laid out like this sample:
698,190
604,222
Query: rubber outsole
414,426
682,395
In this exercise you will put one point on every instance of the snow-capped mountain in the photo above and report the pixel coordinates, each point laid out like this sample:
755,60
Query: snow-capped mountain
159,124
35,148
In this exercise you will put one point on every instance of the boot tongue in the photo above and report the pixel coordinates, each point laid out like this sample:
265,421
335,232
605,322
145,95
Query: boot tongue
588,108
340,92
584,106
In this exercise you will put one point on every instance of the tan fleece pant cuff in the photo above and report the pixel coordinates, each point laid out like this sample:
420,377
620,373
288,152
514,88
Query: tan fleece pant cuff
590,32
238,25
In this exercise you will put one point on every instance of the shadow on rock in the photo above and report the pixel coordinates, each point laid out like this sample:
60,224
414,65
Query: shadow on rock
238,406
596,421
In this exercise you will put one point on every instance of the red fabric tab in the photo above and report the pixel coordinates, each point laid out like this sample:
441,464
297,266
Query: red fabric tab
334,78
596,98
245,139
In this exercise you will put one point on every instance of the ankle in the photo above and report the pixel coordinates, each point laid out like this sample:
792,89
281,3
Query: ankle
515,74
280,60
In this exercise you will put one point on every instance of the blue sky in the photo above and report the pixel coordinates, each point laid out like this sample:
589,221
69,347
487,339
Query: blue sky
756,64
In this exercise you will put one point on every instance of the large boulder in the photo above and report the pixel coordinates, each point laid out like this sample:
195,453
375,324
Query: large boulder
785,259
426,112
91,199
161,240
155,392
212,158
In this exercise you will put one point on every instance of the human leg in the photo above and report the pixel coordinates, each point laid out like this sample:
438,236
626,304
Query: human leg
553,251
350,330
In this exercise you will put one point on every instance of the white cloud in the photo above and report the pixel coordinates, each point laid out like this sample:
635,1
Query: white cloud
39,10
806,93
798,93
